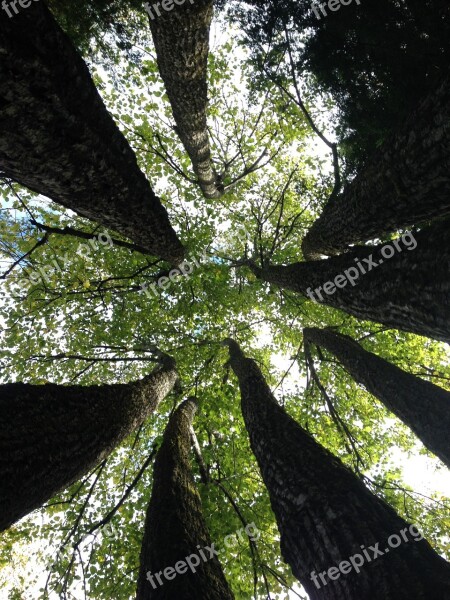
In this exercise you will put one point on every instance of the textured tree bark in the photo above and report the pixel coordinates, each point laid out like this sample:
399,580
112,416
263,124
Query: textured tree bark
181,39
409,291
174,525
424,407
325,514
58,139
407,182
51,435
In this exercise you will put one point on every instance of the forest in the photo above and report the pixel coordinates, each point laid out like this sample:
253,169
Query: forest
224,300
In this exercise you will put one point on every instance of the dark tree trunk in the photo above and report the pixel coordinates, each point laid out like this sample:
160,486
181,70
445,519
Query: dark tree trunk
409,291
181,40
325,514
407,182
174,525
58,139
52,435
424,407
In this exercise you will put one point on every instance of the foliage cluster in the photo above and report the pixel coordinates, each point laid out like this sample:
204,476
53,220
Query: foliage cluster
92,323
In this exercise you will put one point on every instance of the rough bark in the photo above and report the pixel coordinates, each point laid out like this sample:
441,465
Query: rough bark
424,407
52,435
409,291
407,182
181,39
174,526
58,139
325,513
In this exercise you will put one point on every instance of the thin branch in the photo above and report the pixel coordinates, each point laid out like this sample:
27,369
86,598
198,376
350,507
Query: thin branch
205,477
340,423
41,242
87,236
8,182
128,491
299,102
93,359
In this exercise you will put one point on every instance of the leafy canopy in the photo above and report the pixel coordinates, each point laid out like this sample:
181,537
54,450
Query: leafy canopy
90,322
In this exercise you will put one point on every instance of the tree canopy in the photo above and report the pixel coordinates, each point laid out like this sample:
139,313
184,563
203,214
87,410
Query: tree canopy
375,58
295,106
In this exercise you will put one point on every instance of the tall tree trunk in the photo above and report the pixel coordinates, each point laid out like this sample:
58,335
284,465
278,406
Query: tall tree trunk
58,139
174,525
409,291
424,407
181,40
407,182
325,514
51,435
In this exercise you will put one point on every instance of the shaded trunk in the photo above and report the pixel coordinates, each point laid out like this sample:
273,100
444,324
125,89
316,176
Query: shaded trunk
181,39
58,139
407,182
325,514
409,291
424,407
52,435
174,525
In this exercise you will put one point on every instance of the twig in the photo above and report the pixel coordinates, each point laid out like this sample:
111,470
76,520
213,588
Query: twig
41,242
86,236
333,412
128,491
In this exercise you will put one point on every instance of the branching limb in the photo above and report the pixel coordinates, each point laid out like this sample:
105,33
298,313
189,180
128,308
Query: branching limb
41,242
128,491
206,479
85,235
339,422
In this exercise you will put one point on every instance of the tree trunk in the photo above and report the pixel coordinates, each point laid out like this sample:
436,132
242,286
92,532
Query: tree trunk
424,407
58,139
409,291
326,515
174,525
181,40
407,182
51,435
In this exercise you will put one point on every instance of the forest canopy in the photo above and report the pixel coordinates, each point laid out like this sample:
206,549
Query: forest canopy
293,113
